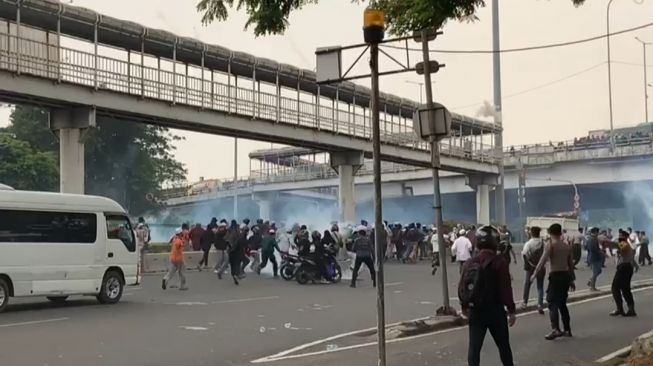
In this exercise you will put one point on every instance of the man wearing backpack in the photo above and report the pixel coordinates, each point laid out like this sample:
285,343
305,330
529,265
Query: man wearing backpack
532,252
485,294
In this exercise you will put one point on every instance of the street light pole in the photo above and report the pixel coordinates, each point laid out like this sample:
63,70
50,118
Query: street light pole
421,89
610,77
236,178
499,193
373,30
435,163
644,44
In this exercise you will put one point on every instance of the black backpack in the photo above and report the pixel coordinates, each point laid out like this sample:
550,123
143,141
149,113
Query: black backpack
475,284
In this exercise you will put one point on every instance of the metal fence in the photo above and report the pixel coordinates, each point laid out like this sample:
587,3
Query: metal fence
89,69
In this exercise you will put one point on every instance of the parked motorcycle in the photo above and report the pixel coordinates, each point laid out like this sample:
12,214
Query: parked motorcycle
309,271
289,265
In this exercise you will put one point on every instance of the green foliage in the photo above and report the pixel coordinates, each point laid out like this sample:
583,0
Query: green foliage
23,167
123,160
402,16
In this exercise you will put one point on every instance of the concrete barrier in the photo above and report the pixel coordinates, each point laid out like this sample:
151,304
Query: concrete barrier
159,262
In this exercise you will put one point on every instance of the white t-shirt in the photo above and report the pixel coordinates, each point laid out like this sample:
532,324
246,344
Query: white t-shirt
633,240
463,249
434,243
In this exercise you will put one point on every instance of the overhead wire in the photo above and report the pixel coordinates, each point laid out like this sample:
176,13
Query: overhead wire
524,49
541,86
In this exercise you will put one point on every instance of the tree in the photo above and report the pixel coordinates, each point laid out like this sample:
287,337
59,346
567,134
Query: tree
23,167
123,160
402,16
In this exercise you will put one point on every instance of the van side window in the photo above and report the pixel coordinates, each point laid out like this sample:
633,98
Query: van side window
23,226
118,227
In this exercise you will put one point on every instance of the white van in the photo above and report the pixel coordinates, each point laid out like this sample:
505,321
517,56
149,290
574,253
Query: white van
56,245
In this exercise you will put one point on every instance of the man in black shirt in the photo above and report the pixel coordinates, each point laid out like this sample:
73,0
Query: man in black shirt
489,312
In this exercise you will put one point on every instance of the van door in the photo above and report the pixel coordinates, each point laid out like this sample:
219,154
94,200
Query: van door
121,246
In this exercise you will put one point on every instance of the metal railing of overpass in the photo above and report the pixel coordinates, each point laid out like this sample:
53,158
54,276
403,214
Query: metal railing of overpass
535,154
154,64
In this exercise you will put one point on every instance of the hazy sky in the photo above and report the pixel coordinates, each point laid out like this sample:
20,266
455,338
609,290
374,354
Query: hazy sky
558,111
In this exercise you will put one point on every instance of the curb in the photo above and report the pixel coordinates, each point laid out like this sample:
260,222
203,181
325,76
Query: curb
437,323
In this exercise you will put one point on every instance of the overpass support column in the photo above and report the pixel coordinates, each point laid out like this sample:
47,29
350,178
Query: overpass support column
71,127
265,203
346,164
481,184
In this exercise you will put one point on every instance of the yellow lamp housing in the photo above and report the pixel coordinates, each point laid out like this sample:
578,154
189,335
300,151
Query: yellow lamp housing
373,25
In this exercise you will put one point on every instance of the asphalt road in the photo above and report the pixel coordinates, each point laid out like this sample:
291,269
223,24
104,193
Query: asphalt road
217,323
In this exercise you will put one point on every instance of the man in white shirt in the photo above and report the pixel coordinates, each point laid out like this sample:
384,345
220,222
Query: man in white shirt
436,250
462,248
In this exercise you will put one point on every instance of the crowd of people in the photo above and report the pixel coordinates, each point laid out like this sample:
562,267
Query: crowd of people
595,142
483,255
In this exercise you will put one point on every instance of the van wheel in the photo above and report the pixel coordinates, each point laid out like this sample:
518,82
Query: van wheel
112,287
4,295
57,299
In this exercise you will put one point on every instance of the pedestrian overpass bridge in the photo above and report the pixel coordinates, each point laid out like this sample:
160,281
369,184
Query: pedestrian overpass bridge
85,65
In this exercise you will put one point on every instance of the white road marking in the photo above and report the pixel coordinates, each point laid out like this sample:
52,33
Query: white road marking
393,284
613,355
188,327
188,303
245,300
288,354
32,322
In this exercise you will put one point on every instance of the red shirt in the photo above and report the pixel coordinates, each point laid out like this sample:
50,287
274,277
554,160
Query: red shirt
195,235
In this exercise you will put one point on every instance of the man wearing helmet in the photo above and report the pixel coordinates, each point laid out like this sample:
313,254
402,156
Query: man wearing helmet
488,301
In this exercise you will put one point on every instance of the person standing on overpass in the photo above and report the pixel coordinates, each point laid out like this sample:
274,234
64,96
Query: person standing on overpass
561,278
486,294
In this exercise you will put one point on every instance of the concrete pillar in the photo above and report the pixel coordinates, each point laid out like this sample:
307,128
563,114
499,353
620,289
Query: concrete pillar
265,209
483,204
481,184
346,200
71,126
265,203
346,164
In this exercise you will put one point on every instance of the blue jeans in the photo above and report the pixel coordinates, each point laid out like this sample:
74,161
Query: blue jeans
597,268
540,286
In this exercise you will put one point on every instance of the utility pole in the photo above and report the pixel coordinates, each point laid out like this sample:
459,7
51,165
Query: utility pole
499,193
236,179
435,164
329,70
644,44
374,32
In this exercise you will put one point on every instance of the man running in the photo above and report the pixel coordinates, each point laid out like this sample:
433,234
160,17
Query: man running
268,245
222,248
177,260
